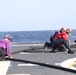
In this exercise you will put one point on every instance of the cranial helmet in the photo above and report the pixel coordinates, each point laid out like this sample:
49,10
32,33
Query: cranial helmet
68,31
62,29
9,37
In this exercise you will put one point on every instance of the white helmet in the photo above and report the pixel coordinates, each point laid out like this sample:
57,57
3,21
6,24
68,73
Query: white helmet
69,31
9,37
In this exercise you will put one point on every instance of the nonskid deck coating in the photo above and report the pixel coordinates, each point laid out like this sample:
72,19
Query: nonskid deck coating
39,55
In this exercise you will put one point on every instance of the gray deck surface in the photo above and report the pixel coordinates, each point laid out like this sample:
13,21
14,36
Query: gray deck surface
39,55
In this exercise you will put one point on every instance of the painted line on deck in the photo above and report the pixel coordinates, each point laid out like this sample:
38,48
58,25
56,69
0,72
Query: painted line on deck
4,65
27,53
18,74
69,63
57,63
26,65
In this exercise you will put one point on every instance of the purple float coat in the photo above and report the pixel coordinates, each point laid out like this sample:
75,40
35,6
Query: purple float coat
6,44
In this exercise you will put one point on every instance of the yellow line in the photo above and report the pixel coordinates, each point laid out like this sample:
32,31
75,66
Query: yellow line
72,64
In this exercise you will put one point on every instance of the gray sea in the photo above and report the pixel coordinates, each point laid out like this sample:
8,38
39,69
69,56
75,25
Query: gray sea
34,36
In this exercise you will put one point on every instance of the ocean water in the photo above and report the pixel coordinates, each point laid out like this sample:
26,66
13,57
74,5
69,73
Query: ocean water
34,36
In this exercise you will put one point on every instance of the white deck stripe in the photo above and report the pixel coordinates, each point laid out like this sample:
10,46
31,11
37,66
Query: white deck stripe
18,74
57,63
25,53
26,65
4,65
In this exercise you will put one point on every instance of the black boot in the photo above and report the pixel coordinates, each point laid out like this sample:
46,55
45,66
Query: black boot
53,51
70,51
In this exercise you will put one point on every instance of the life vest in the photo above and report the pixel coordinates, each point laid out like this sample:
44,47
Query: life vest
62,35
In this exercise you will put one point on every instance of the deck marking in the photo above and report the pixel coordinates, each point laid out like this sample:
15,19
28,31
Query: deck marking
26,65
68,63
72,64
4,65
57,63
25,53
18,74
28,53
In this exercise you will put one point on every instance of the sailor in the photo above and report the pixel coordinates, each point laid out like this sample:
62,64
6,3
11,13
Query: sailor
52,38
5,47
61,47
56,33
62,38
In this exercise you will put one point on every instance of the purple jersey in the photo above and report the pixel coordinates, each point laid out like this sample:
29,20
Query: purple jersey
6,44
54,36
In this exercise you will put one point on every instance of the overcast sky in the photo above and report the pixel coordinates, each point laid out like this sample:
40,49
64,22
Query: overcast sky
27,15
